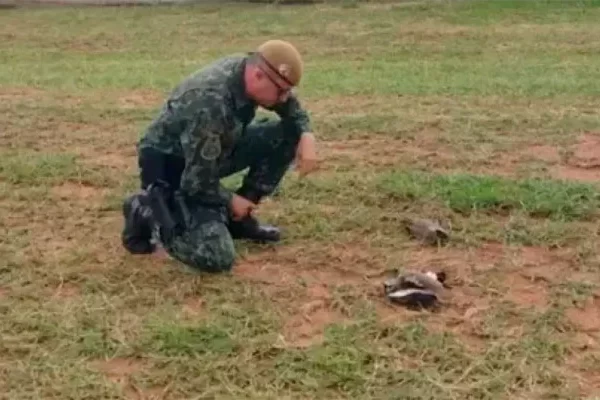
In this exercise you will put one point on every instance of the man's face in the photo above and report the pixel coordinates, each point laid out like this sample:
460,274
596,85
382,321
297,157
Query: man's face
270,89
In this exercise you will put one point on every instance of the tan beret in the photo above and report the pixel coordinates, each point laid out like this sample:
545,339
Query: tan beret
283,59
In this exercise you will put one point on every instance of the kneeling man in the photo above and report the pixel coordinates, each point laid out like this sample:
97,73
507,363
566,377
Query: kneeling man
206,131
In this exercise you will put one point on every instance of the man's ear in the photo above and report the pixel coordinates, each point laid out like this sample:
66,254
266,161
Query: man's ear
258,74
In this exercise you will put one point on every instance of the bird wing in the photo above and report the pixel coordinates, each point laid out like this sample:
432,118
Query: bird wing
422,281
402,293
413,297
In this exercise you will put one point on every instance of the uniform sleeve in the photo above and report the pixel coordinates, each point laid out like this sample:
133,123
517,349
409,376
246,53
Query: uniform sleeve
294,116
207,121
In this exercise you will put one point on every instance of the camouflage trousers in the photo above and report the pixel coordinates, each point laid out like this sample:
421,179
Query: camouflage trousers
206,243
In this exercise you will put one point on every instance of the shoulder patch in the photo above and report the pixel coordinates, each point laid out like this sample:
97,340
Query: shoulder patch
211,149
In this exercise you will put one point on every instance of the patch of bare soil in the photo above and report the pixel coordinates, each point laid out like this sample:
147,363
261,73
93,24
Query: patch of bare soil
124,161
44,135
193,307
71,191
292,265
586,342
97,44
66,290
383,153
306,326
538,266
155,393
587,318
336,106
479,277
427,150
86,139
301,283
140,99
60,237
584,162
582,364
120,370
51,245
530,272
466,302
15,94
508,163
106,142
117,156
526,292
543,152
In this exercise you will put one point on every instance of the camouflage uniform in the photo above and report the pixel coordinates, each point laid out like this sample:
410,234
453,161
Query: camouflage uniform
204,132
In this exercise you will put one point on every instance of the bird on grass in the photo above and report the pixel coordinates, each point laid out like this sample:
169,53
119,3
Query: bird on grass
426,230
415,289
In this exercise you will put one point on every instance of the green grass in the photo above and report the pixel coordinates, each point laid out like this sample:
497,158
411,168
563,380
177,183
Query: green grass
467,193
468,111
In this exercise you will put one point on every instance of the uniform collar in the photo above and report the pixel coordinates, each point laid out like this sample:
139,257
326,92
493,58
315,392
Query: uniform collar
240,98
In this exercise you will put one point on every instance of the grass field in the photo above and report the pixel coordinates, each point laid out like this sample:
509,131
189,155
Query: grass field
482,113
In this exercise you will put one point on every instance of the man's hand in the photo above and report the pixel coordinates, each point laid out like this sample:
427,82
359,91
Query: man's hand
241,207
306,154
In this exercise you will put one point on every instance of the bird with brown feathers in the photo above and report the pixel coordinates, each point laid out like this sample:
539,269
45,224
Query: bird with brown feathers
426,230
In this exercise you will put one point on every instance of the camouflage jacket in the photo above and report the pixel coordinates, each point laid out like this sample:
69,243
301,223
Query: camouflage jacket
203,118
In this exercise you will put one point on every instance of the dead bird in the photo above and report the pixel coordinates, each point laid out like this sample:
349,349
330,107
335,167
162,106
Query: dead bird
428,231
415,289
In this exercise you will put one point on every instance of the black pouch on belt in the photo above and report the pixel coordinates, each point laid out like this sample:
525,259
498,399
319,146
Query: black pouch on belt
160,198
184,211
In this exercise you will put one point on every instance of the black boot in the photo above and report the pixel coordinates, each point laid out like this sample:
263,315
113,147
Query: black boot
249,227
137,232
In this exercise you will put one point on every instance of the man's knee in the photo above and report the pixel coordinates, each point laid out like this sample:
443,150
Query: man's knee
279,144
276,133
209,247
270,126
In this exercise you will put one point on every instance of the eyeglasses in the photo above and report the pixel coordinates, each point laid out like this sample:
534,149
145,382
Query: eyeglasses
280,89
